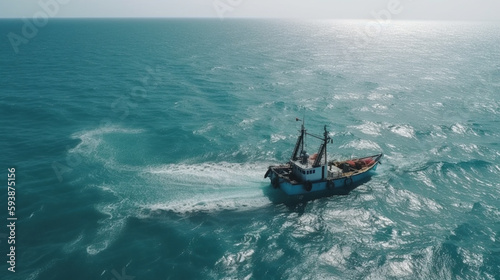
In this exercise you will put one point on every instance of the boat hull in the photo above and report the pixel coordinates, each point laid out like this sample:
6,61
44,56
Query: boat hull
341,185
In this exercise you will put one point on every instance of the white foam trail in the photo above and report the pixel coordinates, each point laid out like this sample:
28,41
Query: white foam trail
92,139
222,173
110,227
181,188
203,204
185,188
116,216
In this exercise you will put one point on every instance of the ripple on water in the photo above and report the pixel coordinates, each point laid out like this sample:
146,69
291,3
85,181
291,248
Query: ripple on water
362,144
403,130
370,128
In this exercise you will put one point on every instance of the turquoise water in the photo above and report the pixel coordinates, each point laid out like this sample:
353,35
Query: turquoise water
140,148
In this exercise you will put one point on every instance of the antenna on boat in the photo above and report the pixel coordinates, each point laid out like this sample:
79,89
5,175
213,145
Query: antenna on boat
303,120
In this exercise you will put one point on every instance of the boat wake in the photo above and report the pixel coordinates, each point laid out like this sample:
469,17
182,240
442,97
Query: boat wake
131,183
183,189
207,187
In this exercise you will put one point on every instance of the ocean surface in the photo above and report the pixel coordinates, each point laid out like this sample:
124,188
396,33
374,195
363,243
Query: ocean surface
140,148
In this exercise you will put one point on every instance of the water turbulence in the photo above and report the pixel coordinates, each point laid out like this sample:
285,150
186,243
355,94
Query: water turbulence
174,186
207,186
132,186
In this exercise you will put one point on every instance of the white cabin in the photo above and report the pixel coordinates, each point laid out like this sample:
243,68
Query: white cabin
308,173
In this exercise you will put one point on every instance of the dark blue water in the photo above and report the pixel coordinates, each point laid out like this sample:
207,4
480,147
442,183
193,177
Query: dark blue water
140,148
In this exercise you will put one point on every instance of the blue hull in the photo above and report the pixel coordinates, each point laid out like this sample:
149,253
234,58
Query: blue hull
341,185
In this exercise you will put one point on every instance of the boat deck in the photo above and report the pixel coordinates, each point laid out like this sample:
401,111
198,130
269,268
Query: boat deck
334,171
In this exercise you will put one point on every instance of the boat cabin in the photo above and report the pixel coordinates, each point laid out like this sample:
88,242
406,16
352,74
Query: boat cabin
307,168
304,170
305,173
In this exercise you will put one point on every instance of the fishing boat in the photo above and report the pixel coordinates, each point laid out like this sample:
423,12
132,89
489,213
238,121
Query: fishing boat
306,173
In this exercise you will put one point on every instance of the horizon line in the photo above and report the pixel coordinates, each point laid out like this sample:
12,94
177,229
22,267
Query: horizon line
256,17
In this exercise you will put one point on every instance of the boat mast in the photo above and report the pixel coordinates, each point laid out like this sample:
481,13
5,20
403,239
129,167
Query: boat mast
326,139
322,149
300,142
303,132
